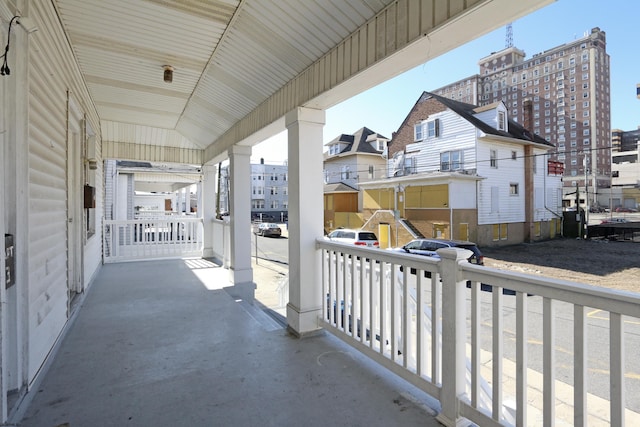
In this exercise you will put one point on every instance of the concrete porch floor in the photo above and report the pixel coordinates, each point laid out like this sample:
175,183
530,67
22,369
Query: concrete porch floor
162,343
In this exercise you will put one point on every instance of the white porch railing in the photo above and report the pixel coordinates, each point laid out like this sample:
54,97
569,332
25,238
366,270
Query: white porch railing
152,239
439,347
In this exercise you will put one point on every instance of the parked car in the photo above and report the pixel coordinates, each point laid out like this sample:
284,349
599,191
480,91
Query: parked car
623,209
428,247
614,220
268,229
355,237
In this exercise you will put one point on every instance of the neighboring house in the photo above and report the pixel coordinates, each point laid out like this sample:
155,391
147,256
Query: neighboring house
349,161
269,191
467,172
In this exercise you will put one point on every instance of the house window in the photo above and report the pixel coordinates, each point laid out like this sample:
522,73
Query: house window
499,232
502,120
334,149
433,128
417,130
450,161
513,189
514,155
493,159
346,172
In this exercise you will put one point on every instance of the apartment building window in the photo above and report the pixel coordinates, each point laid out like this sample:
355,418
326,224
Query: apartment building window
274,204
585,76
257,204
585,132
586,141
493,159
285,205
585,113
285,191
585,123
274,191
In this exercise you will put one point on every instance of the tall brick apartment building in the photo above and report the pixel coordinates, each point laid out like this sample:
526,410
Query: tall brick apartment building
570,89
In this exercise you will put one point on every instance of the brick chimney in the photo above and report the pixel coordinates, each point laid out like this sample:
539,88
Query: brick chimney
527,106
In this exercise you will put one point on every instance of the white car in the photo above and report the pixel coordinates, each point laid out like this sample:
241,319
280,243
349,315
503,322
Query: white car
356,237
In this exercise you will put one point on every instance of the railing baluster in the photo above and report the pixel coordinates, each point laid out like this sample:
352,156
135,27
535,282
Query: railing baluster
406,313
371,306
420,323
521,358
498,352
361,300
436,327
616,362
579,366
475,345
394,312
382,307
353,327
549,362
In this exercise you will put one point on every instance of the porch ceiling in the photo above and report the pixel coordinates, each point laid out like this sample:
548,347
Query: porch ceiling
228,56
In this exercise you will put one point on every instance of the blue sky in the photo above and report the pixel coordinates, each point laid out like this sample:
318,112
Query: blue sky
384,107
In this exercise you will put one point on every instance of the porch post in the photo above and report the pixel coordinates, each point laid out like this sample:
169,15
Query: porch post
306,212
207,207
454,329
240,215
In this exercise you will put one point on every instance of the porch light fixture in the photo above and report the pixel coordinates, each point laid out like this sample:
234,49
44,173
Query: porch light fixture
168,73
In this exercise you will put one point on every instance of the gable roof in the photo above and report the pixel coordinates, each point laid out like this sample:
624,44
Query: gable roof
339,187
469,111
358,142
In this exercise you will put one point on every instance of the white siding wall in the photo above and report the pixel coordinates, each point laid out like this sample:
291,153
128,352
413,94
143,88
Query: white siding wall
546,194
52,74
334,167
455,134
462,194
509,208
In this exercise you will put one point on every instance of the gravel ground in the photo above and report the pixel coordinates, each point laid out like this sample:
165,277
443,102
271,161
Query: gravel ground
610,264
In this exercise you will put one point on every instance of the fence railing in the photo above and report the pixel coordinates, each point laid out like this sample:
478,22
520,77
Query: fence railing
440,324
152,239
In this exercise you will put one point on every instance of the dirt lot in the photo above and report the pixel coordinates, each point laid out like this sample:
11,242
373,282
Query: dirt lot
609,264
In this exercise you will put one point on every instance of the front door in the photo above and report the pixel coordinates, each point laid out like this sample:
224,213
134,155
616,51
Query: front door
74,209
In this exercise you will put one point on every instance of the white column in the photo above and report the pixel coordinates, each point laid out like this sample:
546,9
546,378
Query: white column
306,212
207,206
240,214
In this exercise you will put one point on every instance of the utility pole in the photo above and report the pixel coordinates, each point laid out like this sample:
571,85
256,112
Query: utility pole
578,211
586,189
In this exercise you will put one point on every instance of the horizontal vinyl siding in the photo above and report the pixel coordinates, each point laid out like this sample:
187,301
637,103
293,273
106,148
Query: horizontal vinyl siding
455,134
510,208
51,76
47,203
546,195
